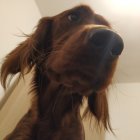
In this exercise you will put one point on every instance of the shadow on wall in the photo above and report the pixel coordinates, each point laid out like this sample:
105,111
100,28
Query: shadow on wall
92,132
15,107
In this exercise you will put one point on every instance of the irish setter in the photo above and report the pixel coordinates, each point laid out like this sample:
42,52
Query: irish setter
73,55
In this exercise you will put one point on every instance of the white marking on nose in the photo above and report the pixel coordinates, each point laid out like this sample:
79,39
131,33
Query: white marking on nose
93,26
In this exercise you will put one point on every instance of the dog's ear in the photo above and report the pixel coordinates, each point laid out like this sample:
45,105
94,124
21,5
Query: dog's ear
98,107
28,53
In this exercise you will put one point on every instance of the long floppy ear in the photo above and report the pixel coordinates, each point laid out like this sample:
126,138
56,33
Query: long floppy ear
27,54
98,107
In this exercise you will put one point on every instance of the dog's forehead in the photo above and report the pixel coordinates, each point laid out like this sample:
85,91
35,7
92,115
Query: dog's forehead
83,9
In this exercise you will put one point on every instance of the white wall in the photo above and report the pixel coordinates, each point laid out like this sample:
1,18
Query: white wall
124,102
16,16
53,7
16,106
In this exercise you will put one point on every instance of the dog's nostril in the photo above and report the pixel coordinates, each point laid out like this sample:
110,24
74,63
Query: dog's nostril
117,45
108,40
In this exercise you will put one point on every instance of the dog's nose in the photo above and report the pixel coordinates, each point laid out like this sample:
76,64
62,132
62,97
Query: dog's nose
108,40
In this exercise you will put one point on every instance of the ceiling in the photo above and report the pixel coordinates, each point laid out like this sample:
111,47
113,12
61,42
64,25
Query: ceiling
125,20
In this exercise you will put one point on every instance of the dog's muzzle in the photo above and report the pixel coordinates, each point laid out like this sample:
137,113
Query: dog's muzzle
107,40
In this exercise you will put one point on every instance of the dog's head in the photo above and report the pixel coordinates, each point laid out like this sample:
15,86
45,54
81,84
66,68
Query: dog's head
84,50
76,48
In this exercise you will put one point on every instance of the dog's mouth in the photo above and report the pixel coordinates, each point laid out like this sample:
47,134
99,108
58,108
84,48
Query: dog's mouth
81,82
74,82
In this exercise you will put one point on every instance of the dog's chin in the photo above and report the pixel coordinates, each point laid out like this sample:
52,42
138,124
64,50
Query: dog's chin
77,84
77,87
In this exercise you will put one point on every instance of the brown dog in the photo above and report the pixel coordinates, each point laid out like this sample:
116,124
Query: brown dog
73,55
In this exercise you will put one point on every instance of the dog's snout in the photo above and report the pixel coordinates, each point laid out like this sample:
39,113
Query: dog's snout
108,40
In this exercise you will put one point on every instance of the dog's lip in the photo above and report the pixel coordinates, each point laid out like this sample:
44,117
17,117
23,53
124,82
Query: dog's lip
78,88
78,84
72,82
85,88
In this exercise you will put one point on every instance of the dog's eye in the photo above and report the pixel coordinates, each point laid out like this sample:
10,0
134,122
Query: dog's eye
73,17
